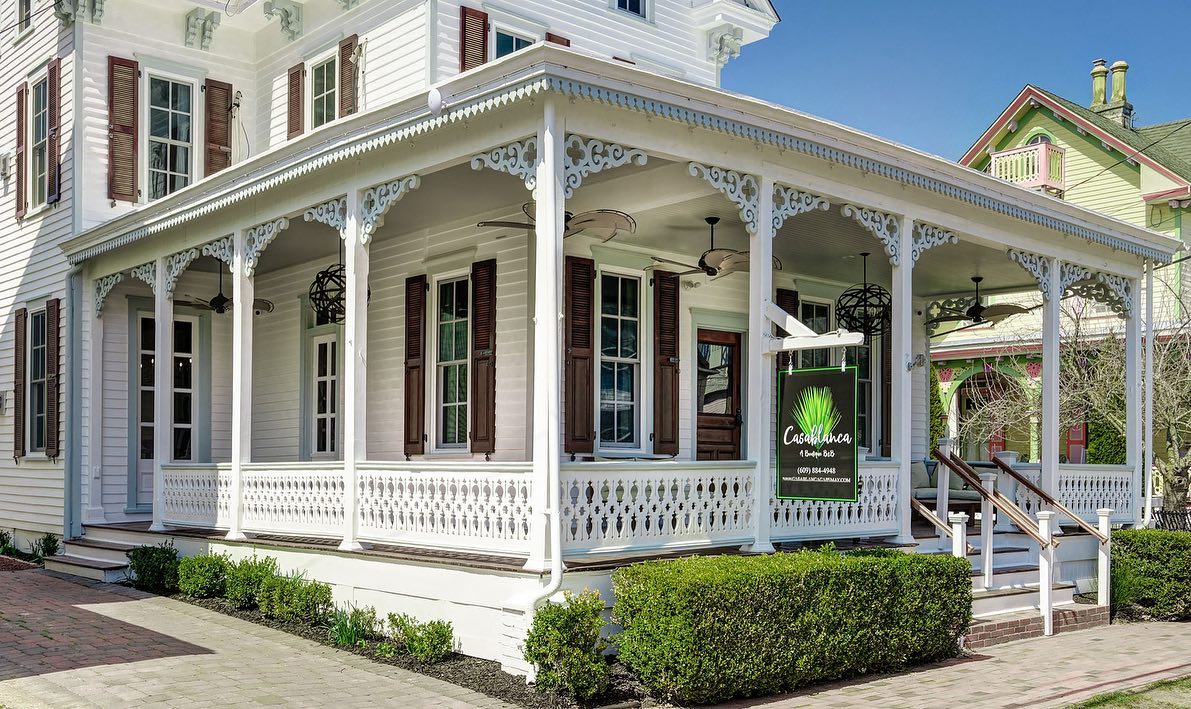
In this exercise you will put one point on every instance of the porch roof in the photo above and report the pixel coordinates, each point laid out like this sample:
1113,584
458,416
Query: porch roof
549,68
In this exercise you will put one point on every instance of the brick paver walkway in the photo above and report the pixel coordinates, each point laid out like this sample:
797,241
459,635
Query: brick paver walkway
64,644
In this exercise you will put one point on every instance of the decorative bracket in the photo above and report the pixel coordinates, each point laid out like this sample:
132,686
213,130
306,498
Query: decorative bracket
739,187
67,10
519,159
348,4
789,202
1116,292
175,264
1037,266
333,213
290,14
886,227
200,27
257,239
96,11
221,250
936,308
103,286
928,236
723,43
584,157
1070,274
147,272
379,198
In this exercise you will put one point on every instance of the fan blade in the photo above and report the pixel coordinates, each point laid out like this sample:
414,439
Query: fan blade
694,269
265,306
953,317
1004,310
531,210
962,328
193,304
602,222
505,225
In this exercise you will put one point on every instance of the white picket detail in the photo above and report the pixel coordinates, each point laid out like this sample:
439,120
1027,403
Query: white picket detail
873,514
299,499
1087,488
197,495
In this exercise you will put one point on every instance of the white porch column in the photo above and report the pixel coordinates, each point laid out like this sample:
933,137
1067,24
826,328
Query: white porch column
1052,294
901,397
759,406
1147,467
355,375
547,334
243,293
93,512
163,390
1133,395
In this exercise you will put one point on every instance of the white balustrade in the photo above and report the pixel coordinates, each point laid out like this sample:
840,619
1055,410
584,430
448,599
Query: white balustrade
298,499
197,495
1037,165
470,506
1026,500
873,514
1087,488
637,506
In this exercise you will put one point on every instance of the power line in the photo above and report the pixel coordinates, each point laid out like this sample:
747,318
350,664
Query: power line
33,14
1130,157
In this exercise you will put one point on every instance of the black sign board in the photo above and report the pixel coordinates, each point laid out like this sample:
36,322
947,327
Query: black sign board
816,434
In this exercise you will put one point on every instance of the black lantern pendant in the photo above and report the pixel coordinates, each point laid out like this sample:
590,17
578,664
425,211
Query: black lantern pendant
328,293
865,308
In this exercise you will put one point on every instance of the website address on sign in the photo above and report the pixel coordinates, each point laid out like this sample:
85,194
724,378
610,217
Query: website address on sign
807,478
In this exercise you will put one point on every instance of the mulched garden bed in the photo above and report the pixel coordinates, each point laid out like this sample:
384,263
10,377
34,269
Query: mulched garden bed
8,563
484,676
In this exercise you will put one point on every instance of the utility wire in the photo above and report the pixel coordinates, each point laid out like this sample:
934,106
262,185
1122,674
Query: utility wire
33,14
1130,157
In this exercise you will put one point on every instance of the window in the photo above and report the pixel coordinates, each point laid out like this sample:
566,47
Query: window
37,381
451,368
39,143
184,390
170,139
861,356
24,14
816,316
326,395
183,372
322,93
637,7
507,43
620,360
1040,138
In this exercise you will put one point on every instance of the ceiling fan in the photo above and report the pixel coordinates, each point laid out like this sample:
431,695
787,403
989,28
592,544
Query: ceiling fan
605,223
716,263
220,303
978,312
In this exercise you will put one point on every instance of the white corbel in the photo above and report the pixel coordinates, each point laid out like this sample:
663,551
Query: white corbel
258,238
96,11
67,10
585,157
741,188
103,286
886,227
200,27
147,272
223,249
377,201
928,236
724,43
290,15
789,202
175,264
519,159
1037,266
347,4
333,213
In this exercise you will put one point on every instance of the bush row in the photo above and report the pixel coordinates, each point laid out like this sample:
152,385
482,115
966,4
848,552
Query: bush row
1151,574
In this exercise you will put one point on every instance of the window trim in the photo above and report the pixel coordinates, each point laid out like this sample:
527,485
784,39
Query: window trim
833,352
39,77
328,55
433,446
328,333
647,14
197,121
644,424
307,332
499,28
30,415
23,32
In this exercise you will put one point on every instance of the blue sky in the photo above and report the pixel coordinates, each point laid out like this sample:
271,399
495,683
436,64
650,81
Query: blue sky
934,73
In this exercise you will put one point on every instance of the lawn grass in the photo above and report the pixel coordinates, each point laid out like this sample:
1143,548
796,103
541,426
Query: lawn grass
1171,693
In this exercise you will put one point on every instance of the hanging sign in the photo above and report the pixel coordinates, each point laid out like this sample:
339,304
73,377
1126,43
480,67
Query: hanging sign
816,434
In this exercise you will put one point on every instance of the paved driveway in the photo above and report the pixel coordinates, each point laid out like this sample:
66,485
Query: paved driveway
63,644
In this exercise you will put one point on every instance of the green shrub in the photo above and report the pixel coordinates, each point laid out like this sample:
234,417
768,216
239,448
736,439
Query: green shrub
294,599
154,569
46,546
565,646
707,629
1151,573
428,643
353,626
386,650
203,576
6,547
245,578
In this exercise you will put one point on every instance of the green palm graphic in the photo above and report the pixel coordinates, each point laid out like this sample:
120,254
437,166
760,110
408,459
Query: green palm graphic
816,414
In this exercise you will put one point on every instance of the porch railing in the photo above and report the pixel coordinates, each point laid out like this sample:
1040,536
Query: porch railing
300,499
1083,488
198,495
1037,165
873,514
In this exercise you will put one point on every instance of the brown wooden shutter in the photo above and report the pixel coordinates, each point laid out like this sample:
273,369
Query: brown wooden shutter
886,392
295,113
123,78
557,39
415,365
483,357
53,174
22,128
347,75
665,367
18,386
579,356
52,368
473,38
788,301
218,112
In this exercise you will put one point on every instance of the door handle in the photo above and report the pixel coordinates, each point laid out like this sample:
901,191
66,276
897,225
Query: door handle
739,419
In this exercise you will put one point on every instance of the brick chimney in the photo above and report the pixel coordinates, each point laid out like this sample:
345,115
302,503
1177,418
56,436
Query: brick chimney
1117,108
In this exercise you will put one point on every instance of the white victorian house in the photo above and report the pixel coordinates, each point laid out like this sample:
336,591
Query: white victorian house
451,340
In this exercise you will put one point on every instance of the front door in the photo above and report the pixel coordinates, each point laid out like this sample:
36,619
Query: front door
718,395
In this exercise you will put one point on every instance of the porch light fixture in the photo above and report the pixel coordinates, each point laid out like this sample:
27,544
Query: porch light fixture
865,308
328,292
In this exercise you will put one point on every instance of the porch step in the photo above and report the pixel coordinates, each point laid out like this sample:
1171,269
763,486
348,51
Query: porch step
87,568
131,534
98,550
988,602
1020,625
1002,556
1015,576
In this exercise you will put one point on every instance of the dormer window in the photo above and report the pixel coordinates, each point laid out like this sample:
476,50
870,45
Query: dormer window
636,7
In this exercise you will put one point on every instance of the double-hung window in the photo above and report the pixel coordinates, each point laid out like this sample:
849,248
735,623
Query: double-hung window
816,316
620,360
39,134
452,332
323,90
37,381
507,42
636,7
326,395
862,357
24,14
170,136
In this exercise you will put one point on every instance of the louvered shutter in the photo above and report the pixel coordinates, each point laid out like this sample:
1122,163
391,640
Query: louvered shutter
53,174
787,300
122,129
218,112
886,393
18,386
415,367
483,357
22,128
347,75
557,39
52,369
473,38
665,358
295,112
579,356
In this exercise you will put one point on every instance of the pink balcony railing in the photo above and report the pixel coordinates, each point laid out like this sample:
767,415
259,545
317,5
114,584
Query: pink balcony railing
1033,166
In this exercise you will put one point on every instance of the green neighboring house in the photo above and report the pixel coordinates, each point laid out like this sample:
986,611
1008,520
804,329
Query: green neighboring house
1096,157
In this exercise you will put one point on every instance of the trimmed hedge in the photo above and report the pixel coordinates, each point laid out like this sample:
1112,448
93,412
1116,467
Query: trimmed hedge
245,579
203,576
707,629
154,568
1151,574
295,599
565,646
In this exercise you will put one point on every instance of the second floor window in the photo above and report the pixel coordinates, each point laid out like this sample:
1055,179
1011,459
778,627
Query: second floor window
24,14
637,7
39,141
170,138
322,93
37,381
507,43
